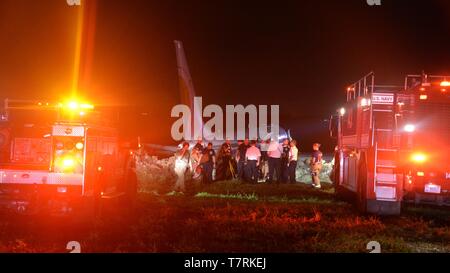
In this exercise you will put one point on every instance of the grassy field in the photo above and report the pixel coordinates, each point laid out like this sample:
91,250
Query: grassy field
233,217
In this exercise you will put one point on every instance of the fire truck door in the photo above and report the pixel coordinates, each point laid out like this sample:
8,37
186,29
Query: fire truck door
350,173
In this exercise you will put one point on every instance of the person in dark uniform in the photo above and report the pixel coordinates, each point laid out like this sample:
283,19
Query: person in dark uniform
221,167
316,165
274,159
209,163
225,169
285,161
293,158
263,165
240,158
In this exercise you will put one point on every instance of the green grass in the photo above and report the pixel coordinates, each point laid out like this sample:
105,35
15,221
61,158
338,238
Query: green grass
234,217
275,199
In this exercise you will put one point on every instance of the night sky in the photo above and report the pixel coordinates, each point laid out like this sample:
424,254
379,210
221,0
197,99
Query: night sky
298,54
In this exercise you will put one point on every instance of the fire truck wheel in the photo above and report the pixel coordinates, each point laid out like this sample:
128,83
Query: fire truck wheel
362,184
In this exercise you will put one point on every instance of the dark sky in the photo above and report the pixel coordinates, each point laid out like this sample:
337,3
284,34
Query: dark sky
298,54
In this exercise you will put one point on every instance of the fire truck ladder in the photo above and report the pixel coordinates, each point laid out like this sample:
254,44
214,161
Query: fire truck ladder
385,156
381,163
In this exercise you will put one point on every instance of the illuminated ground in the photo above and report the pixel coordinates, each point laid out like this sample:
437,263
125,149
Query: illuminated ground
229,217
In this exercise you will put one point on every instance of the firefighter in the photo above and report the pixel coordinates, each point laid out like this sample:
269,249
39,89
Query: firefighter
182,165
240,158
252,158
209,163
285,161
274,160
316,165
293,157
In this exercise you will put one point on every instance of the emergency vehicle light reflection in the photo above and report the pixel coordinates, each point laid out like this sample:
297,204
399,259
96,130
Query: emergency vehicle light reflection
365,102
419,157
409,128
79,145
68,163
445,84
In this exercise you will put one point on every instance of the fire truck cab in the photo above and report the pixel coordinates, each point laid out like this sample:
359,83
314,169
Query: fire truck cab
60,159
425,141
377,140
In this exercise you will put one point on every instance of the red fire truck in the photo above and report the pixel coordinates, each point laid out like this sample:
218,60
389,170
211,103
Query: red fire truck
393,143
60,158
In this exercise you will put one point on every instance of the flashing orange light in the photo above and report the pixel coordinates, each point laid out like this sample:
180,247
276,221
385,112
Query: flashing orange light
420,174
73,105
68,163
445,84
86,106
419,157
423,97
79,145
423,89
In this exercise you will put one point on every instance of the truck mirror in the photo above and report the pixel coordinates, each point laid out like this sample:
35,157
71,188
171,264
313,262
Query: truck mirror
333,126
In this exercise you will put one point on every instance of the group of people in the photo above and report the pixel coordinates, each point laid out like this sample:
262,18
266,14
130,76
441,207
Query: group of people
252,162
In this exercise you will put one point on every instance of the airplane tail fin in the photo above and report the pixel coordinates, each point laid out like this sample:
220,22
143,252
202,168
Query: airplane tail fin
289,134
187,91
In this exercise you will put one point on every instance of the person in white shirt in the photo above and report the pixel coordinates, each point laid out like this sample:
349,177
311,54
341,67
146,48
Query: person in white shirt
274,154
253,157
293,158
182,164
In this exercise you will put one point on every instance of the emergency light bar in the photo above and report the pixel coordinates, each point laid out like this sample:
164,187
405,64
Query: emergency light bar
425,80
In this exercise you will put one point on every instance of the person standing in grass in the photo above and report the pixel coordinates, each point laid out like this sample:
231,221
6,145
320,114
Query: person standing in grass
285,161
196,168
316,165
240,158
274,160
182,165
225,167
263,166
252,157
293,158
209,163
